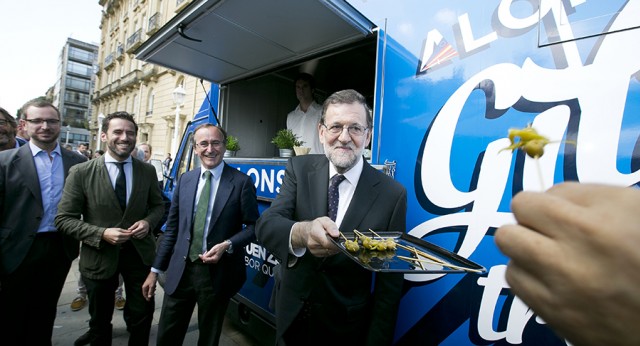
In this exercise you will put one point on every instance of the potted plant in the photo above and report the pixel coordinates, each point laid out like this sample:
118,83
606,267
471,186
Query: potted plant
233,146
285,140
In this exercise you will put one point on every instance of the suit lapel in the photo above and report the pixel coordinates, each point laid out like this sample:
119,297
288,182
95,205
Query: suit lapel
364,197
137,183
318,182
188,190
67,162
222,196
104,182
25,166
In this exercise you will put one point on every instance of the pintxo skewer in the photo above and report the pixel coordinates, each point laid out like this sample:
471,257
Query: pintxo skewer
380,244
452,266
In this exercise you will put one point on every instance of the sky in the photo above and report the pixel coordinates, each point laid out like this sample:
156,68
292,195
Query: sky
32,34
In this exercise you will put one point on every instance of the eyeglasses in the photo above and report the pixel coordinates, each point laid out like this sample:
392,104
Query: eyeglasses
50,122
354,130
3,122
205,145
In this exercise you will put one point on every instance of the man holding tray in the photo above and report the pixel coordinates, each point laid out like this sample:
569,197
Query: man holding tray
321,295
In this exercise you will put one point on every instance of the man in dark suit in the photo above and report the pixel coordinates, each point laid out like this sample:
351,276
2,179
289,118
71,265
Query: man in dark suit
322,296
111,203
34,256
209,224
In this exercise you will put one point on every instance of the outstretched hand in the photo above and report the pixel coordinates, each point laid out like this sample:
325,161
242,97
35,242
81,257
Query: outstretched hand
314,235
575,260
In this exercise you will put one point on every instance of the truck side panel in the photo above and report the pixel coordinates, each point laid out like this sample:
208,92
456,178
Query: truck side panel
457,75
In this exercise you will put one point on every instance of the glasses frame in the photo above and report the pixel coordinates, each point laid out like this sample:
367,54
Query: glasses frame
215,144
39,122
333,129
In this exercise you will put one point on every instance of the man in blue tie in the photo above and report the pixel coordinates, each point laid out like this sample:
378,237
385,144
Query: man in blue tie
321,296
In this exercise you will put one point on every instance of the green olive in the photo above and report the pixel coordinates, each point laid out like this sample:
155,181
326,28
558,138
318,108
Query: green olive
535,147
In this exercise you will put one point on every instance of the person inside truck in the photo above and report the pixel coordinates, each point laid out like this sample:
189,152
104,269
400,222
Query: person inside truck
322,296
574,260
305,118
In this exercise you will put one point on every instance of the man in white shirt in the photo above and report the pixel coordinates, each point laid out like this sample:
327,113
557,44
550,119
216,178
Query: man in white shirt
304,120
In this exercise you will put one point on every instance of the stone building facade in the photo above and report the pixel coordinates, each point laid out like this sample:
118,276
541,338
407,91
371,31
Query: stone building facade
124,83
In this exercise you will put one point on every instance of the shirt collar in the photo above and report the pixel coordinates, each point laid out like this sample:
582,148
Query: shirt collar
215,171
109,158
352,175
36,149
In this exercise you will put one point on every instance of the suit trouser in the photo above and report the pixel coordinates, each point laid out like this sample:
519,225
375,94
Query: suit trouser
29,295
195,287
138,313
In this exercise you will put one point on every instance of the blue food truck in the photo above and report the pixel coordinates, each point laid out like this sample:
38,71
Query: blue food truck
446,81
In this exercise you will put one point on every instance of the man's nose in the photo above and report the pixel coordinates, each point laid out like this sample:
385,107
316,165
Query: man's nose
344,135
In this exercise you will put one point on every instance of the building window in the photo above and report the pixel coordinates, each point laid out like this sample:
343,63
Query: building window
78,83
135,104
80,54
76,97
79,69
150,103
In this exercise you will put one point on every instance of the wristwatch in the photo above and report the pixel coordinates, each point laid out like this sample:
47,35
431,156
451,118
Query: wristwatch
230,249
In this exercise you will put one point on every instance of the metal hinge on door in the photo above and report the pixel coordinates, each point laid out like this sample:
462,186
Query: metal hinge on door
389,168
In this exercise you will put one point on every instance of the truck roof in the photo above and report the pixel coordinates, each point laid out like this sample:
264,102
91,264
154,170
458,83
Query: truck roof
223,41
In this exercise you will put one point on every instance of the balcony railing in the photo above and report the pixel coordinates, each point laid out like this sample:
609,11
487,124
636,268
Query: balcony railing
108,61
154,23
134,41
119,51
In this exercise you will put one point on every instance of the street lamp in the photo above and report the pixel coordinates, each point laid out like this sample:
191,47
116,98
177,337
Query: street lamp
100,119
66,142
178,97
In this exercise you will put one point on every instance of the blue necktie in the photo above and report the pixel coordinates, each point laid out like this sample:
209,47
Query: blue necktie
334,195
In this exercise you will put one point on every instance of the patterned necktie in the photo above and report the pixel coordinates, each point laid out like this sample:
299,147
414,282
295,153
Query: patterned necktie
200,219
121,186
334,195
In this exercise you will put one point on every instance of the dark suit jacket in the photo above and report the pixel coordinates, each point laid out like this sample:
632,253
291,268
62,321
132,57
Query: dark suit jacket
89,206
235,204
21,207
340,287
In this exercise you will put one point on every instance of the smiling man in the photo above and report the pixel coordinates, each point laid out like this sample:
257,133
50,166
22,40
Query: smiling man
322,296
110,204
211,219
34,256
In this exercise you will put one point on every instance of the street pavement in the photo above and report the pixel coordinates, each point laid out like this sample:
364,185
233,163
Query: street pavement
70,325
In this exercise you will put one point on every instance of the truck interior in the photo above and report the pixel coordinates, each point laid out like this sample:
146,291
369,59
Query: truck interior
254,109
254,50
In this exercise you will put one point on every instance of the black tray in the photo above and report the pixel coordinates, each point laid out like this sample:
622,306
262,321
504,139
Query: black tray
388,261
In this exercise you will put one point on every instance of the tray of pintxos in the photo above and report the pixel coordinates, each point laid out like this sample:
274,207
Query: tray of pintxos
402,253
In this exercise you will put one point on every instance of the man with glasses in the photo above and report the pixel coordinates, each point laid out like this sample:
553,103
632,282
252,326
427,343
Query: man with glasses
321,296
8,129
211,219
111,204
34,256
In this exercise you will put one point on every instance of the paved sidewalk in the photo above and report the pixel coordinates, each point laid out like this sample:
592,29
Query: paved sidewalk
69,325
